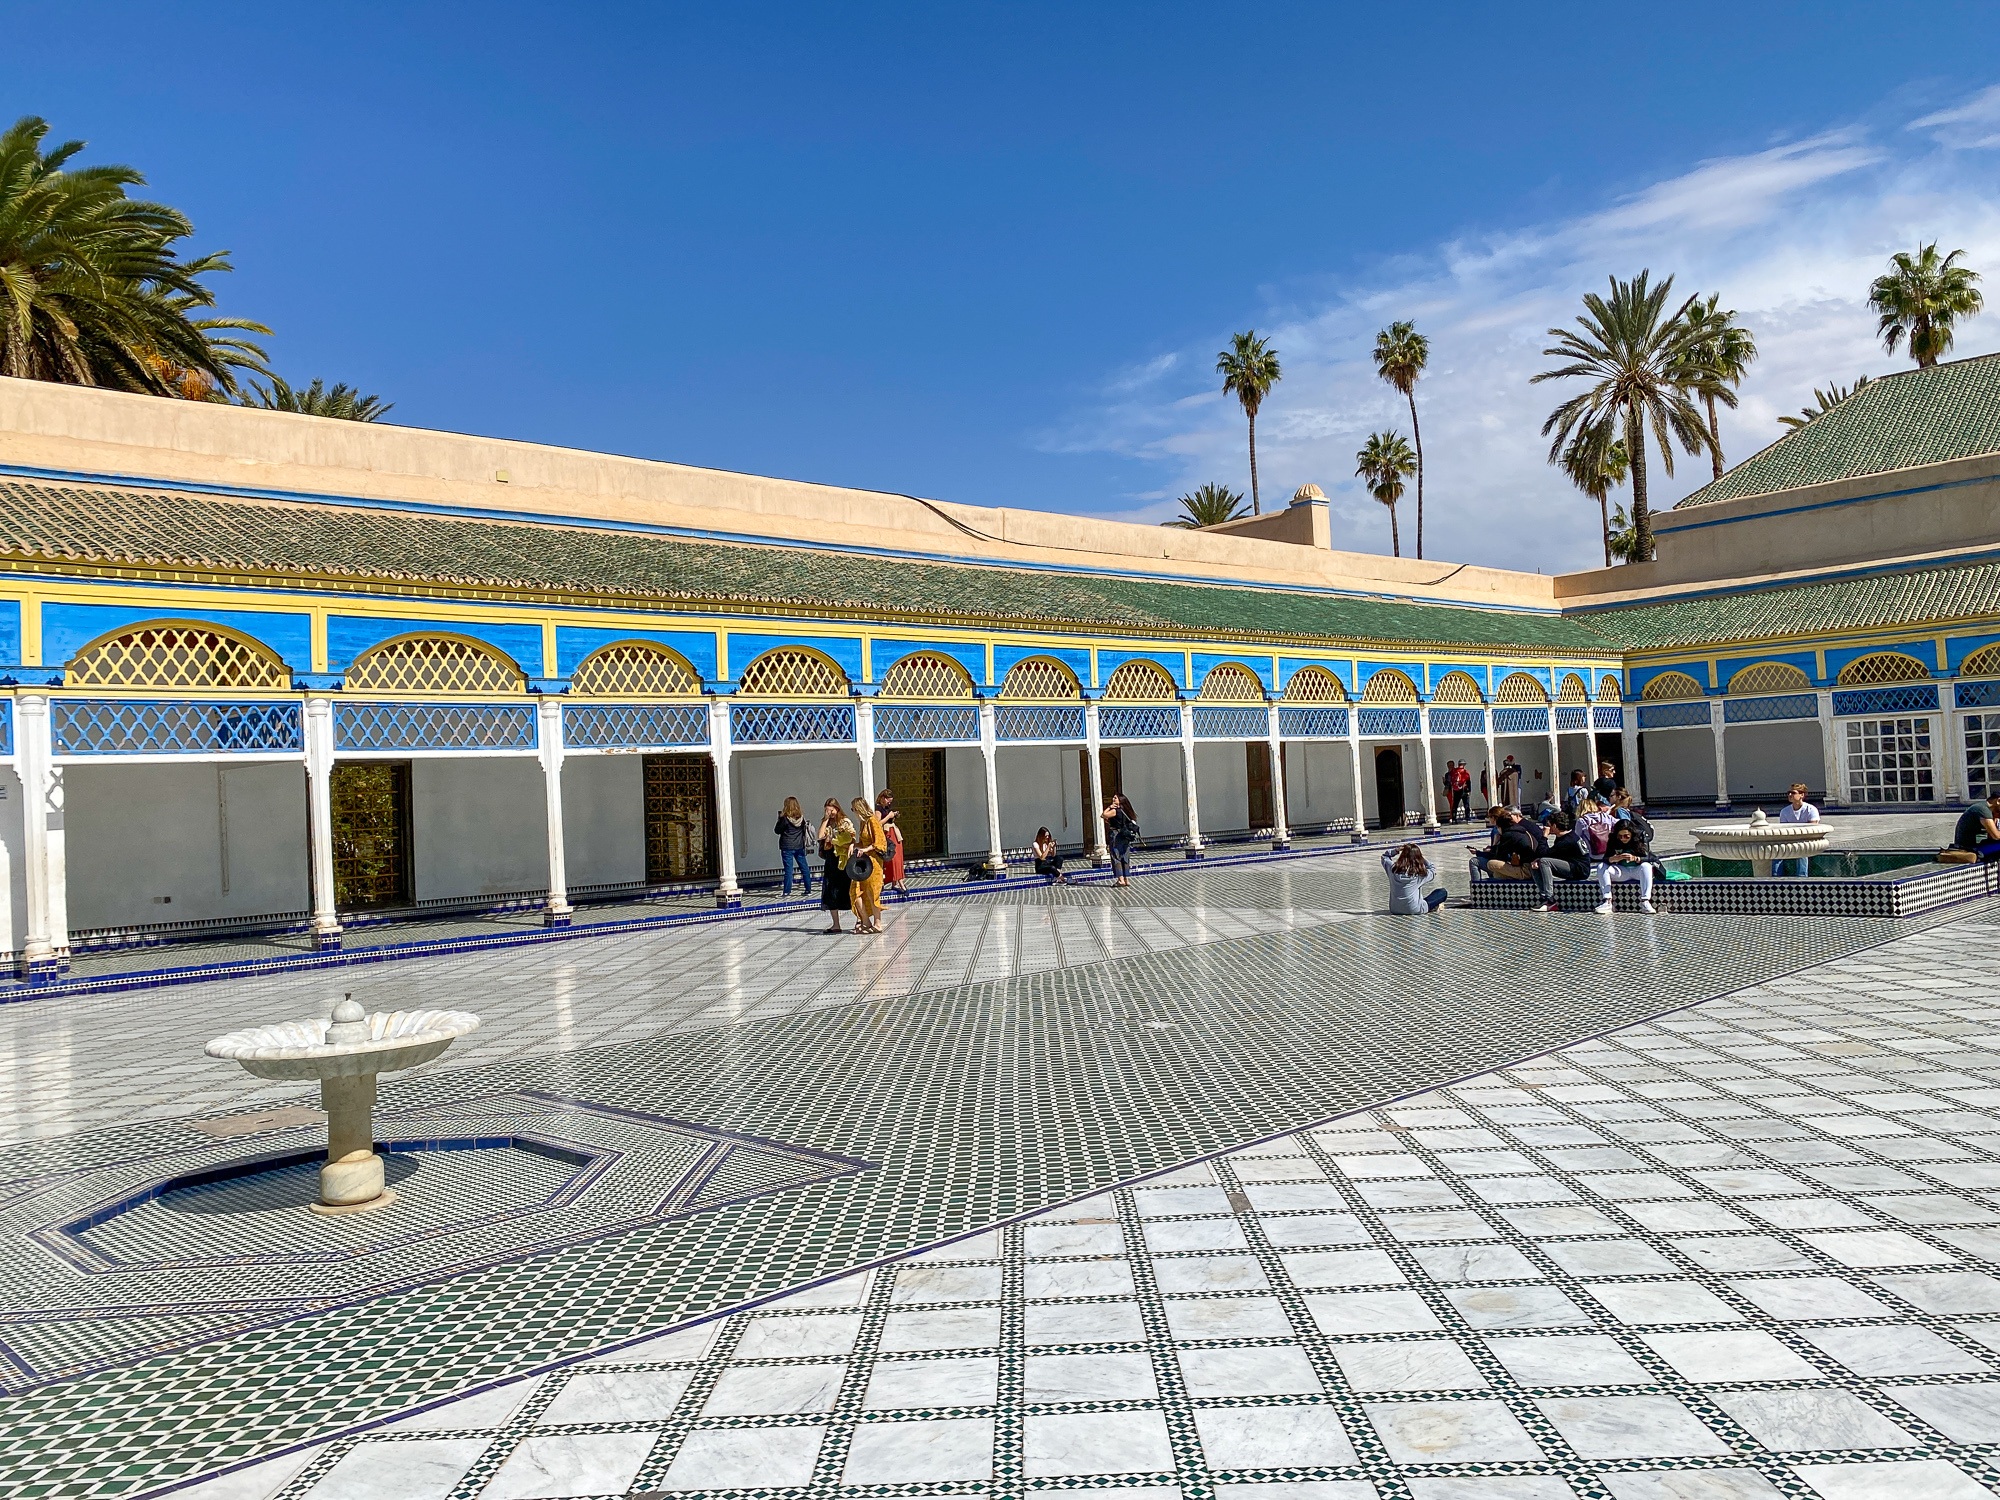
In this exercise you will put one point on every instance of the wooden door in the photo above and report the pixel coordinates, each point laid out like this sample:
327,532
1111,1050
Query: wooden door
916,780
1110,769
680,818
371,834
1257,768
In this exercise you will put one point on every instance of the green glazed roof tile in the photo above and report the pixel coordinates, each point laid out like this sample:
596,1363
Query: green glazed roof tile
108,525
1843,604
1901,421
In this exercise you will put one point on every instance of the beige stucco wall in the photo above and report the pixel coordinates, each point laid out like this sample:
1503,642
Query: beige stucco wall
71,428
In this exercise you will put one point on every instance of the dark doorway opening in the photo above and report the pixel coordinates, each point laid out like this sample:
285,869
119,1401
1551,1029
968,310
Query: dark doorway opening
1611,747
1257,770
916,779
680,818
371,834
1389,786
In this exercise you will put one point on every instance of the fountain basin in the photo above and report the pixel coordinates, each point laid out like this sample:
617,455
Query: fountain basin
1760,841
346,1052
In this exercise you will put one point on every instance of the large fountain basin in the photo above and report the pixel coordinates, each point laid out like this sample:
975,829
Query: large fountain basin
1760,841
397,1039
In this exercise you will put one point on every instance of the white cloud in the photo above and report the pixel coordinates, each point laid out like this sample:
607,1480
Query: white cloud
1790,236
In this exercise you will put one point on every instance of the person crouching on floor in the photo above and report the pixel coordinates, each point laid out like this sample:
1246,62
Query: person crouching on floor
1409,872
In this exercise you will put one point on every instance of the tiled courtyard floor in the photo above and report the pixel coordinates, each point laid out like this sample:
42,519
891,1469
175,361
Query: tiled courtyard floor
1747,1246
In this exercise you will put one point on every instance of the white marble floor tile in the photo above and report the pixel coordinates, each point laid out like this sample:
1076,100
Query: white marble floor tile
1270,1437
740,1458
1123,1442
1090,1377
774,1390
1919,1479
1579,1359
1963,1413
1810,1420
1450,1432
1248,1370
1726,1355
423,1470
1408,1365
906,1383
955,1449
617,1396
545,1467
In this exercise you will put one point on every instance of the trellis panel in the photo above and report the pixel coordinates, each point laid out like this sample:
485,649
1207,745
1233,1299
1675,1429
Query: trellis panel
1048,721
1521,720
432,664
1231,723
434,726
175,656
1138,723
634,726
1461,722
634,670
1674,715
902,724
1915,699
1770,710
124,726
1317,722
791,723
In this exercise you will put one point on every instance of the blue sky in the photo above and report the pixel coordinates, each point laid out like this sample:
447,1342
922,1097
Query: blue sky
987,254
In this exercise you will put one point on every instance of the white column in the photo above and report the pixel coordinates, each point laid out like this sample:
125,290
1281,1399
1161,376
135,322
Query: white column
1628,735
1835,764
989,749
1716,731
864,745
727,891
1948,748
1430,769
319,812
1360,834
1194,846
556,912
1492,777
45,946
1093,819
1281,828
1555,759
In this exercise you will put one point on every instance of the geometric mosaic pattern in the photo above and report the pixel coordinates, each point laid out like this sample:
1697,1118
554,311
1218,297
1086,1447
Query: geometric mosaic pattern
99,726
176,656
1740,1252
432,664
603,725
434,726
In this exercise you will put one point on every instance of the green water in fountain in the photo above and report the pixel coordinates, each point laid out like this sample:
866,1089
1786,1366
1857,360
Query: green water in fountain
1842,864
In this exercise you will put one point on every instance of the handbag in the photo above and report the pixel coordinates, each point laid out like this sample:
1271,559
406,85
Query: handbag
861,863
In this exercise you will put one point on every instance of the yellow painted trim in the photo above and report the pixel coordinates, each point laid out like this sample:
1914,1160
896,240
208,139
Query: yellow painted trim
867,658
316,650
31,630
548,649
1943,660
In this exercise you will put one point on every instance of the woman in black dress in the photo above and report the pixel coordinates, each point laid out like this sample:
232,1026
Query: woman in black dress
836,842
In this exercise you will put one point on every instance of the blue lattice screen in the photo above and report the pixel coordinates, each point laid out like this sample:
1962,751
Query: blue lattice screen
1315,723
1138,723
1979,695
1458,721
434,726
1042,721
1674,715
1572,717
6,726
624,726
1609,716
791,723
1768,710
1232,724
904,723
1910,698
1525,720
1389,723
113,726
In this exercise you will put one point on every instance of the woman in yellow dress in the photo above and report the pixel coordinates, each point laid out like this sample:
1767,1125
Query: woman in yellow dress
869,840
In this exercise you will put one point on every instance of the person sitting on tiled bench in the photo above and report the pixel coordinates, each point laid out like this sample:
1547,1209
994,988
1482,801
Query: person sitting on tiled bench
1978,831
1626,858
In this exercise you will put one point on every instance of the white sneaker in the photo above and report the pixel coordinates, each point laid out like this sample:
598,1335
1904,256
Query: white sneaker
1647,908
1606,909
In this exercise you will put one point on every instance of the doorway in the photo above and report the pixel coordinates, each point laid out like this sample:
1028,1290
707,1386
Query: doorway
1257,773
680,818
1110,770
371,834
1389,786
1611,747
916,780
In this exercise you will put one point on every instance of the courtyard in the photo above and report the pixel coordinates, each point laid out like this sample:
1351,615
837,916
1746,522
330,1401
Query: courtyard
1226,1183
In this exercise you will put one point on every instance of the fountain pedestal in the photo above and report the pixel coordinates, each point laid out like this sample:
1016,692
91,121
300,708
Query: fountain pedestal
1762,842
346,1052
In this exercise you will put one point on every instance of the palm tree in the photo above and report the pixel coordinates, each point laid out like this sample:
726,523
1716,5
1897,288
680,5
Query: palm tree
1824,401
1596,463
1383,463
1624,537
317,400
1634,353
92,288
1719,359
1210,505
1249,368
1400,356
1921,298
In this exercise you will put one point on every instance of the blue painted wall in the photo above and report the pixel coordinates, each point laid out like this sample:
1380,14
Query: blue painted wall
1173,663
1727,667
1005,658
575,642
347,636
10,631
745,648
1265,667
1343,668
67,628
884,654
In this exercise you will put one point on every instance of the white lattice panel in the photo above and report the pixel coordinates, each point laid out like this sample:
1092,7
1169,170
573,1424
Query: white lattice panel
927,677
175,656
1884,666
1769,677
1519,687
789,673
1671,685
1040,680
1139,682
1314,685
1457,689
634,669
1230,683
1390,687
432,664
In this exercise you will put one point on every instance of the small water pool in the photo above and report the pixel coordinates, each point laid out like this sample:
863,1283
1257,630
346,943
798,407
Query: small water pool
1838,864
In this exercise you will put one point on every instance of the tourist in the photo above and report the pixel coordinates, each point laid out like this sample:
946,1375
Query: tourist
885,811
836,842
1566,858
1626,859
1574,794
791,832
1496,824
1516,848
1594,825
1979,830
1510,781
1048,859
1795,810
865,867
1121,827
1445,781
1409,872
1606,788
1461,794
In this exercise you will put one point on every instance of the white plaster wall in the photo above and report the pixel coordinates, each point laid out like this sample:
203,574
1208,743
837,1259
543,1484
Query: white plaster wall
1680,765
13,868
1765,759
137,834
1153,782
761,781
1319,780
1222,780
604,819
1038,786
964,802
1531,752
478,827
